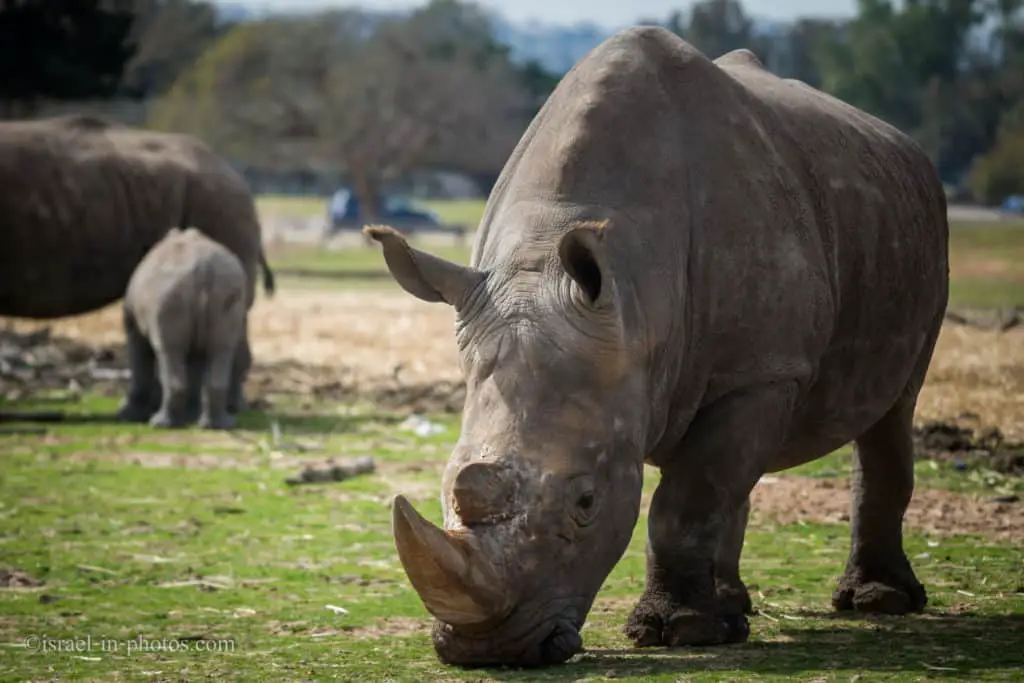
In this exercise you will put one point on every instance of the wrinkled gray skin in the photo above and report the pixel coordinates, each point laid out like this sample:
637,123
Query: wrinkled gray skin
695,264
83,199
185,316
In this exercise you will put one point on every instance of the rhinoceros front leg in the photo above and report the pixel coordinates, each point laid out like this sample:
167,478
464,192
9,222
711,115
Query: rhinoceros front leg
731,591
693,594
878,575
143,390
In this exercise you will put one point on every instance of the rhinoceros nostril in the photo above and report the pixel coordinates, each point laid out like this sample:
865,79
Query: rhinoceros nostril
482,492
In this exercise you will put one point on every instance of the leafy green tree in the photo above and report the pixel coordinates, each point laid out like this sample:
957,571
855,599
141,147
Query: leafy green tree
61,50
718,26
378,97
170,35
1000,172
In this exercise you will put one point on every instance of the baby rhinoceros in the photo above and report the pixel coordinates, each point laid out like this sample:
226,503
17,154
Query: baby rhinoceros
184,316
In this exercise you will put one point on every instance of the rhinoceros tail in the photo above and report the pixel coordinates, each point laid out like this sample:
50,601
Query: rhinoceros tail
268,275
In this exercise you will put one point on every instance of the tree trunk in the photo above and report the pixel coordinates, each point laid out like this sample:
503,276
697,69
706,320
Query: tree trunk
367,189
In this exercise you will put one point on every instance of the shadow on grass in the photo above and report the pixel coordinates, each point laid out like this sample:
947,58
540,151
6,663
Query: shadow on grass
328,274
931,645
312,423
20,421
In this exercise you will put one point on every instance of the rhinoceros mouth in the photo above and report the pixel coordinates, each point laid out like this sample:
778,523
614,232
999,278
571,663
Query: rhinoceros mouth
547,642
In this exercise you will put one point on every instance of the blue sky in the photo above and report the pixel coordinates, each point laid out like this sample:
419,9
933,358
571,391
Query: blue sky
608,13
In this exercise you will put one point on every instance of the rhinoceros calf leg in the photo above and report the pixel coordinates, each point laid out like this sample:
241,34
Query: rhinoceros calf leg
732,592
239,373
173,368
196,369
215,413
143,389
696,520
878,575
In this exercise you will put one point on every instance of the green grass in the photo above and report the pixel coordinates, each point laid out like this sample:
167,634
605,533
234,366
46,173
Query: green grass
986,260
987,265
455,212
117,520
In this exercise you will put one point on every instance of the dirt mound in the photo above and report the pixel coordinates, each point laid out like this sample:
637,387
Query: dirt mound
965,446
13,578
793,500
1001,319
37,364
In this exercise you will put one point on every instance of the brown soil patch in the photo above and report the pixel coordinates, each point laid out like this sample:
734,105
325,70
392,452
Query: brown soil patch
399,352
986,268
790,500
394,349
386,627
977,371
956,441
392,627
13,578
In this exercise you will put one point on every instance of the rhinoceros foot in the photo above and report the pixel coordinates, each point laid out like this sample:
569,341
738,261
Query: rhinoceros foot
734,598
223,421
163,419
133,412
891,596
650,626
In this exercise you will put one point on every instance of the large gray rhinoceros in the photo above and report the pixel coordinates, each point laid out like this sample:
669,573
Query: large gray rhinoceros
83,199
693,264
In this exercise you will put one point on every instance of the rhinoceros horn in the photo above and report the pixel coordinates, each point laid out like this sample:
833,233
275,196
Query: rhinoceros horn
455,581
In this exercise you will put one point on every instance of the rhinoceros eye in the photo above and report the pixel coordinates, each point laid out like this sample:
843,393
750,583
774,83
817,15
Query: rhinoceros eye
583,499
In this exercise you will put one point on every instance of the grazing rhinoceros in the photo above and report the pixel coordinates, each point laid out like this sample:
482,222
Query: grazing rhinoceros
82,199
185,315
693,264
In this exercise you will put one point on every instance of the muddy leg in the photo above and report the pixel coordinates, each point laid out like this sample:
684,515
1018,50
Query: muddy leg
174,382
143,389
239,373
878,576
732,592
215,390
694,516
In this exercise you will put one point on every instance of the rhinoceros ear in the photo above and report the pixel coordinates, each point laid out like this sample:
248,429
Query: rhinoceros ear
583,255
423,275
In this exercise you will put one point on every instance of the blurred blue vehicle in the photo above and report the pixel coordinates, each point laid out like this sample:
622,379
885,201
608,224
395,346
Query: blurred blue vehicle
344,213
1014,203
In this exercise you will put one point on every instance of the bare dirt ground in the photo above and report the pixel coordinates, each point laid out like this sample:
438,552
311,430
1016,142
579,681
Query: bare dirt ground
789,500
400,352
330,342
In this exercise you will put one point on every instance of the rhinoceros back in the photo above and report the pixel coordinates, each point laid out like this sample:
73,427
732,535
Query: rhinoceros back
82,200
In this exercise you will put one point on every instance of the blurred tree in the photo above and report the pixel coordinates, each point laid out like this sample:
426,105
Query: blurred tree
1000,172
379,96
918,66
718,26
797,52
61,50
170,36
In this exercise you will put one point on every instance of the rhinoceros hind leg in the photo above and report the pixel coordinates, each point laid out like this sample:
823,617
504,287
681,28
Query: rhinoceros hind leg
143,389
215,414
878,577
697,519
239,373
174,383
196,368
